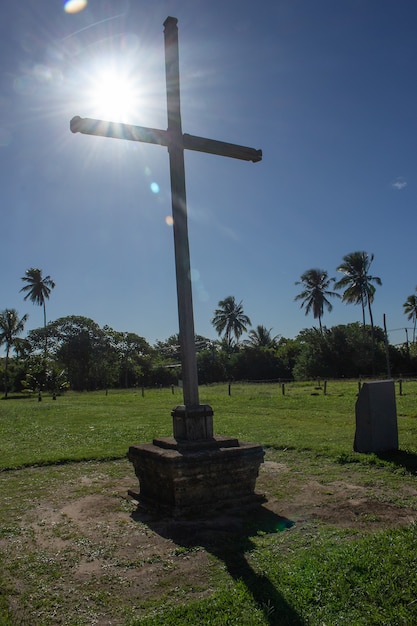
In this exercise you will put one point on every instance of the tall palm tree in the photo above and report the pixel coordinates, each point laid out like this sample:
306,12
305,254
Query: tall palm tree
410,309
38,290
10,329
358,287
230,319
261,338
316,291
357,282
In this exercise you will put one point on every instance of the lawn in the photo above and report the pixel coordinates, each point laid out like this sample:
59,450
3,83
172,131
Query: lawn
334,543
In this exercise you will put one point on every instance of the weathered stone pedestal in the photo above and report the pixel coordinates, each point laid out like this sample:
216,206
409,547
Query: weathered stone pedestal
182,477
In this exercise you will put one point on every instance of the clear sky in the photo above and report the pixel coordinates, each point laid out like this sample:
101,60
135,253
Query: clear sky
326,89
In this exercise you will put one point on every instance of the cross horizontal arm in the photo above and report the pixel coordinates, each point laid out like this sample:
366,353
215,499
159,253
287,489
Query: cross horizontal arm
191,142
117,130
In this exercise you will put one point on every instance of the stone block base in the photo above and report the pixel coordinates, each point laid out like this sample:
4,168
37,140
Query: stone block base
199,477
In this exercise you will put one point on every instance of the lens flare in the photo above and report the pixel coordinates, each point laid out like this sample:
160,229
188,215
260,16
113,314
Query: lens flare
74,6
169,220
154,187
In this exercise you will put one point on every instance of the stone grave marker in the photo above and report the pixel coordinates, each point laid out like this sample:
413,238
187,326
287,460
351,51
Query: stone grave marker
376,418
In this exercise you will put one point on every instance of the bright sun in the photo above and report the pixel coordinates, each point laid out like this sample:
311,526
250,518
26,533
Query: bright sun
114,95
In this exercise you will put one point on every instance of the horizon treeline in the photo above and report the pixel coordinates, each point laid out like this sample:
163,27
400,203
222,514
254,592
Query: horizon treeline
74,352
81,355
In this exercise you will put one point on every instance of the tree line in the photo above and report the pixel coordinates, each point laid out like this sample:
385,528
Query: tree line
75,352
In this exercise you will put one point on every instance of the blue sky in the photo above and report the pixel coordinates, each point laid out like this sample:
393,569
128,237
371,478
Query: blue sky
326,89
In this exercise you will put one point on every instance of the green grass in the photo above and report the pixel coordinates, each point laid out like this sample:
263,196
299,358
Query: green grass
311,572
95,426
362,582
78,426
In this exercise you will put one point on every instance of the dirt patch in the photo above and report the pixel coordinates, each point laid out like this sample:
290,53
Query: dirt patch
93,543
342,505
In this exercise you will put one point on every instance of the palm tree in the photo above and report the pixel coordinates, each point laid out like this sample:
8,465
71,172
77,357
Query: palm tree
38,291
261,338
357,282
230,319
10,328
358,287
410,309
315,294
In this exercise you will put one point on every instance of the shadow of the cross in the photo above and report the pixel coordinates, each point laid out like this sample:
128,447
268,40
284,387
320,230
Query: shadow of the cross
402,458
229,537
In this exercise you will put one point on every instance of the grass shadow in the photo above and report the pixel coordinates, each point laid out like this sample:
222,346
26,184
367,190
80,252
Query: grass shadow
228,537
401,458
19,396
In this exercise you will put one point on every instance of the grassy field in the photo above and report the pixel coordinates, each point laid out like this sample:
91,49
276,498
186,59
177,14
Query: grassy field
335,543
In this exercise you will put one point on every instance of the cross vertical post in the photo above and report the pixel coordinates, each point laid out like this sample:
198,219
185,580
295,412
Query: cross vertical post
179,214
191,421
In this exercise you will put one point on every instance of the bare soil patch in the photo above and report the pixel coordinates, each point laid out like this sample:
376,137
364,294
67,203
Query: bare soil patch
90,542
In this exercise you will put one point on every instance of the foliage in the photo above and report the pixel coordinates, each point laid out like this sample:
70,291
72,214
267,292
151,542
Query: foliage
358,287
315,292
89,357
40,375
80,345
230,320
261,337
95,357
410,309
169,349
287,352
10,329
38,290
259,363
405,359
357,282
341,351
132,354
213,364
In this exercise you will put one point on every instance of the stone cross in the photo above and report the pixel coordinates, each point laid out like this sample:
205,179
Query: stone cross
192,421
